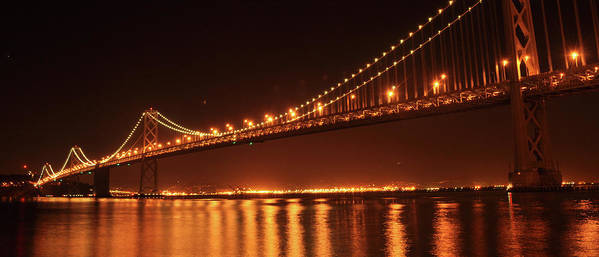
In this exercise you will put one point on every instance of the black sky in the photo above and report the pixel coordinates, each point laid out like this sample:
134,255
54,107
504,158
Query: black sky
81,74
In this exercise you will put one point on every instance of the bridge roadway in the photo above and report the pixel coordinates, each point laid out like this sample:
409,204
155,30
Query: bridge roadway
548,84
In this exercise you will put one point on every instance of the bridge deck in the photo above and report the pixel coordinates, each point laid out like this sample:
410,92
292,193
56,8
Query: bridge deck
548,84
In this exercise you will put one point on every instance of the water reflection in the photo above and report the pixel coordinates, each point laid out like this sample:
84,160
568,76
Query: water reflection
271,239
447,229
445,225
358,230
585,233
396,244
250,235
321,228
295,231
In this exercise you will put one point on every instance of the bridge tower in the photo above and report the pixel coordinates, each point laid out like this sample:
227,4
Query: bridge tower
533,163
148,182
521,41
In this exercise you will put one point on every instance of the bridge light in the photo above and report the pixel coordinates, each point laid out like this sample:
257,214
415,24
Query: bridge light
505,62
443,76
353,97
250,123
390,93
526,58
574,55
178,141
168,143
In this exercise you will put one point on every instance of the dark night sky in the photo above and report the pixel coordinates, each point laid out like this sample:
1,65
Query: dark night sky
82,74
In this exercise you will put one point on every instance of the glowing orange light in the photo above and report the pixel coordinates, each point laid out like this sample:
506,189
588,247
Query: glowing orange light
443,76
574,55
168,143
25,166
250,123
319,107
159,145
526,58
505,62
353,96
390,93
436,84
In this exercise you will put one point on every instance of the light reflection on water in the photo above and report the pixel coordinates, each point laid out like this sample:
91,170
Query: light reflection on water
452,224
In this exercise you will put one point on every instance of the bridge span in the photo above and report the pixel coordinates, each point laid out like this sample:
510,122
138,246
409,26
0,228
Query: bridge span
467,55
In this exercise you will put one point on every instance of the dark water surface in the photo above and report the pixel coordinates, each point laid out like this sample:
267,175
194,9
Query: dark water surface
445,224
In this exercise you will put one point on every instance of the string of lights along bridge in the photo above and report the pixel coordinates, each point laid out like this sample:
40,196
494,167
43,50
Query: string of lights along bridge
465,55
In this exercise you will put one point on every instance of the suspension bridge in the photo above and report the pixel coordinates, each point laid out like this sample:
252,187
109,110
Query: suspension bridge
466,55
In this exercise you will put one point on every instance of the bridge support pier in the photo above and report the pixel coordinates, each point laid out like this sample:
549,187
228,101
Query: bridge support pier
102,182
533,163
148,182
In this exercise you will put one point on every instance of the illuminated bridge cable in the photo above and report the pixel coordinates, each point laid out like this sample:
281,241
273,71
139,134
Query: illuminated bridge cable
51,169
126,140
367,67
66,161
85,157
177,125
186,131
87,163
46,168
378,74
395,63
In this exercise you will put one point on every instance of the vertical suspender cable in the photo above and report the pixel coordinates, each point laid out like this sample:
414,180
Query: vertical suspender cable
547,42
580,42
474,50
595,25
561,27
